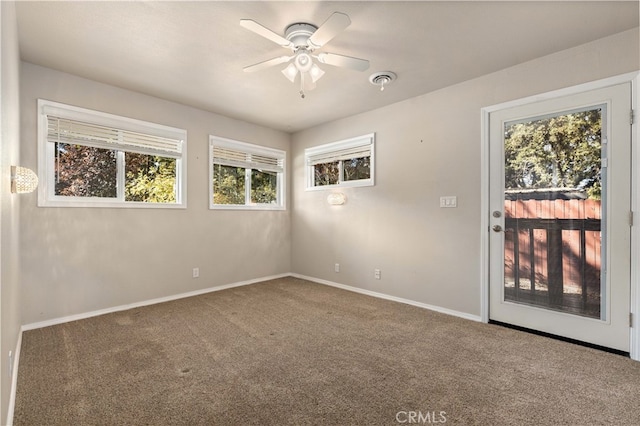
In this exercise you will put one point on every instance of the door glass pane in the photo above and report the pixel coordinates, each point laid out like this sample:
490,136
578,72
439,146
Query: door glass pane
553,212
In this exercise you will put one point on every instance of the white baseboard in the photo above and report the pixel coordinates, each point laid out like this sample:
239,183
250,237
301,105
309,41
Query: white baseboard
14,381
62,320
464,315
76,317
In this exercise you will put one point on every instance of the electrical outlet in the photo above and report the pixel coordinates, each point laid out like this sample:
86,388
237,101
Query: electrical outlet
336,267
376,274
196,272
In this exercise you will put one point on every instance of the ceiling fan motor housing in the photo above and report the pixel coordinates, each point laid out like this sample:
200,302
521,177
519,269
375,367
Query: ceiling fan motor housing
299,34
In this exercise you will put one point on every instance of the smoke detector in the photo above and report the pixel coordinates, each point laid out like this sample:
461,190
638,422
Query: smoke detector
382,79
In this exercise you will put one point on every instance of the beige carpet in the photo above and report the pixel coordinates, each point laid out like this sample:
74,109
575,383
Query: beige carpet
291,352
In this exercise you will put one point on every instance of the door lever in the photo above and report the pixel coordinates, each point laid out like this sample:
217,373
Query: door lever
497,228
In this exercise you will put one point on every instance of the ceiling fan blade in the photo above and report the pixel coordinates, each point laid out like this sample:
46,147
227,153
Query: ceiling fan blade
331,28
266,64
252,25
343,61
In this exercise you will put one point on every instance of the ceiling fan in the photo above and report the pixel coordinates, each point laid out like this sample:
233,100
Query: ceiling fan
303,39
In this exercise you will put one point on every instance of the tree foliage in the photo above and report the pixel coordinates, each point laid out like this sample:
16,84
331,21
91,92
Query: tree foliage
86,171
149,178
352,169
563,151
263,187
326,173
357,168
229,185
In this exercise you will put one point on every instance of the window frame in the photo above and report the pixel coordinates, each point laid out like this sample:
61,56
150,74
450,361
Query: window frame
46,154
367,140
249,148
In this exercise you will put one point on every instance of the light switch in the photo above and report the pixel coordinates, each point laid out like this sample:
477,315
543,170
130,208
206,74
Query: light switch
449,201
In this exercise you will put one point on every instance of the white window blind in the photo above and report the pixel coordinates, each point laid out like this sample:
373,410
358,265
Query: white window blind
246,159
340,154
66,130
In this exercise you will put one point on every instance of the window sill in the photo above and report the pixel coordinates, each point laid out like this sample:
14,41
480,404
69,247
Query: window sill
352,184
239,207
110,204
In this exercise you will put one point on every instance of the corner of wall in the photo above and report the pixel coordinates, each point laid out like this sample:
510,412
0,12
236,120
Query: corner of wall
10,308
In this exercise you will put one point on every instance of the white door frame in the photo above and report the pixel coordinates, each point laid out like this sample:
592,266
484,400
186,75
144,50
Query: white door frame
634,78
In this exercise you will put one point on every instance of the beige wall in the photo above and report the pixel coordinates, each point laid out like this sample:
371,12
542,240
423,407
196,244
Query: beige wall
10,307
426,147
79,260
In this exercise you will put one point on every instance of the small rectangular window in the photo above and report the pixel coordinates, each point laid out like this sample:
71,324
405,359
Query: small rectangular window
93,159
344,163
246,176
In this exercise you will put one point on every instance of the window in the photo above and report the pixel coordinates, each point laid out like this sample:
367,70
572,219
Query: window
344,163
245,176
92,159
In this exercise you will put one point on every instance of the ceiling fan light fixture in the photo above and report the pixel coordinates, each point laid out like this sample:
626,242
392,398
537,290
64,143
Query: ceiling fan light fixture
303,61
290,72
316,73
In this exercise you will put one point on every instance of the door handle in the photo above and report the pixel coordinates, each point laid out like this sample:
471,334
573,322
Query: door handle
497,228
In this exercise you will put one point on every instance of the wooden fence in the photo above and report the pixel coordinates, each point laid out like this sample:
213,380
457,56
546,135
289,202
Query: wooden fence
557,248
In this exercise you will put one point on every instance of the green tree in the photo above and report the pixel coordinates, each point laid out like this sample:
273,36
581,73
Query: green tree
563,151
86,171
150,178
263,187
228,185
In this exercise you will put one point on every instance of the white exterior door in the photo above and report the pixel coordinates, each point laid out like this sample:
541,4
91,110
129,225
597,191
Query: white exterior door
559,225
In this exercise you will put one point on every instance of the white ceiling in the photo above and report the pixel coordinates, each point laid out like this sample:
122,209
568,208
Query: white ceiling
194,52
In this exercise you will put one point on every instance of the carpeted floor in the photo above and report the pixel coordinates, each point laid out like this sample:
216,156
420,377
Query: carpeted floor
292,352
